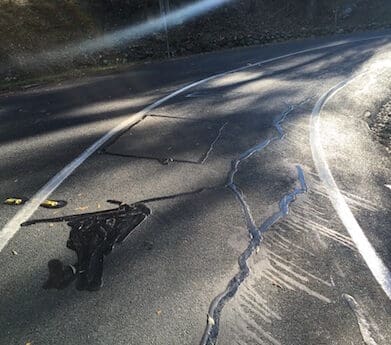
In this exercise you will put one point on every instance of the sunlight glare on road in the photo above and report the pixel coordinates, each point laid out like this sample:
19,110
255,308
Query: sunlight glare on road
377,65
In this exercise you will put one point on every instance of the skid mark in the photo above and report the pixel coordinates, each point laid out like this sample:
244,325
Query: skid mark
295,284
279,267
276,281
355,201
326,231
302,224
286,275
253,329
258,299
291,244
313,217
273,241
252,311
281,261
252,306
358,202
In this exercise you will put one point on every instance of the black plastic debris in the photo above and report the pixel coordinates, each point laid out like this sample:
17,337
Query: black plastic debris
92,237
59,276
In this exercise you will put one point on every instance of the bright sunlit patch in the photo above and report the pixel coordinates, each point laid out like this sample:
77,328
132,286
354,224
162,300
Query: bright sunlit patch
377,64
337,135
384,63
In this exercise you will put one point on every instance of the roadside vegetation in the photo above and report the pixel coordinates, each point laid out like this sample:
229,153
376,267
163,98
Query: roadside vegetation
380,125
32,26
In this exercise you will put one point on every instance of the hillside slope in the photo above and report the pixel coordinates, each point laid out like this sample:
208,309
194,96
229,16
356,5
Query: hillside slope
35,25
29,26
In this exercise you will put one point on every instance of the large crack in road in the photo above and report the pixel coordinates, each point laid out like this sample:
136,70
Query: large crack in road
255,232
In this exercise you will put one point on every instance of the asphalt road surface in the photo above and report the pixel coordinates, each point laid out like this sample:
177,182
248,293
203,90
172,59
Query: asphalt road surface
276,229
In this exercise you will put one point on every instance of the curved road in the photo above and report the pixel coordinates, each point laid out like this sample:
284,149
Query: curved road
276,228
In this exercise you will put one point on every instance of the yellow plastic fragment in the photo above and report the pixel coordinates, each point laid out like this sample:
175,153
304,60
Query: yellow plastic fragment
81,208
13,201
50,203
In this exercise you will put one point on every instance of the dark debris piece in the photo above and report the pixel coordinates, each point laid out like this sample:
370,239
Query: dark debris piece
92,236
59,276
166,161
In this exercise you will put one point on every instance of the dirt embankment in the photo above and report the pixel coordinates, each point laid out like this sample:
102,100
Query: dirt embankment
35,25
31,26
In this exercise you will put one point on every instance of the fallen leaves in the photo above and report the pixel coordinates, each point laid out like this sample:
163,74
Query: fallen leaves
81,208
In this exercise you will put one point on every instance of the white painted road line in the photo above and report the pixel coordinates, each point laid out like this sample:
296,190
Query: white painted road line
12,227
373,261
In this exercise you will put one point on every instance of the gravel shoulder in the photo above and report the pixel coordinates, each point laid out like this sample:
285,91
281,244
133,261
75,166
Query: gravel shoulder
380,125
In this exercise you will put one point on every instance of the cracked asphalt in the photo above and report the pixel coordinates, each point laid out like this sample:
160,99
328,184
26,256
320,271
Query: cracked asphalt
233,155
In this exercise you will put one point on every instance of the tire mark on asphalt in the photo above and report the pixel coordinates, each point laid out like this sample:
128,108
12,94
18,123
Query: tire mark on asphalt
276,270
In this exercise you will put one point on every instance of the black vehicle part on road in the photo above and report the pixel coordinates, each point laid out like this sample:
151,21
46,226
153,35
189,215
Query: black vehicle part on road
92,236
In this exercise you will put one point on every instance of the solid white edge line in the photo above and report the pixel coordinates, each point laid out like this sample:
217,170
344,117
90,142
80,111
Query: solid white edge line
373,261
28,209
